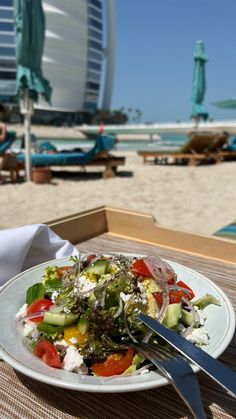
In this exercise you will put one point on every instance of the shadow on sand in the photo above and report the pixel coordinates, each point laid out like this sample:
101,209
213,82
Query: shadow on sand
76,175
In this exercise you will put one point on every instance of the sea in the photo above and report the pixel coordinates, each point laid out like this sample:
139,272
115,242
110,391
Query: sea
164,142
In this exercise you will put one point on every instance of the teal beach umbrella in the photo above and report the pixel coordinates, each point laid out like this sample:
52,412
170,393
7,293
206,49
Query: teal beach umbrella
199,83
226,104
30,37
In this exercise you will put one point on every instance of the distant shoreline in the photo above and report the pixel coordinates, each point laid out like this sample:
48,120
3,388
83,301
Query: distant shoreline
127,132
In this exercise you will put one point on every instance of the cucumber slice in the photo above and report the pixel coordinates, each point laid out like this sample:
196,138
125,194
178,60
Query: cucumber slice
82,325
59,319
99,267
173,313
187,317
49,328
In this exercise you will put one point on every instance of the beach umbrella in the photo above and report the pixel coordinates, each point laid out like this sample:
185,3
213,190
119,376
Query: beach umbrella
199,83
30,36
226,104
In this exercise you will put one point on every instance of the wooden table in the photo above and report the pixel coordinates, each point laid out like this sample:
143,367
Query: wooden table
106,229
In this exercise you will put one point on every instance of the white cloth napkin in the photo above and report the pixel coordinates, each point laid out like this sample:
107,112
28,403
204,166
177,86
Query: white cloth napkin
27,246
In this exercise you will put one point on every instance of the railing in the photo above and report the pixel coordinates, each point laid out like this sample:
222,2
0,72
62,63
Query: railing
159,128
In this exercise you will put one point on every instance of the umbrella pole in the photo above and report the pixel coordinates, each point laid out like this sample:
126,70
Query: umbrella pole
27,123
26,105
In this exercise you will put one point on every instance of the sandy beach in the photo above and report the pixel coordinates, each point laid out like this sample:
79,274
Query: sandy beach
200,199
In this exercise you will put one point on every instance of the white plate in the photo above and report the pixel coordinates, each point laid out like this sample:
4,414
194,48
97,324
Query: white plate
220,325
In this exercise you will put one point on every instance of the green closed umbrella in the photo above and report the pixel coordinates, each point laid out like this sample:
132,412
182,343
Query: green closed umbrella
226,104
30,37
199,83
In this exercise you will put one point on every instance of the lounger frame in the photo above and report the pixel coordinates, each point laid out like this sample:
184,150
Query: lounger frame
164,158
108,161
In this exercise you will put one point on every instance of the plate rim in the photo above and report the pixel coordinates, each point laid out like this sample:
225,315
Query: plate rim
107,386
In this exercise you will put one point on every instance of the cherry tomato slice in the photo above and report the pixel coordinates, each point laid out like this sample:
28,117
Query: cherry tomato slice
47,351
171,281
174,297
61,270
114,365
38,305
90,258
190,293
158,297
139,267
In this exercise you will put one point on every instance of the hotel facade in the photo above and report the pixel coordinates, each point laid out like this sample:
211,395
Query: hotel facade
78,61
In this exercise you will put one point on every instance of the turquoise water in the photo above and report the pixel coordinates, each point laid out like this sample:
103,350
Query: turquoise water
167,141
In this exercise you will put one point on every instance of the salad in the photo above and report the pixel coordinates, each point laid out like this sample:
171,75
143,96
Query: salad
82,317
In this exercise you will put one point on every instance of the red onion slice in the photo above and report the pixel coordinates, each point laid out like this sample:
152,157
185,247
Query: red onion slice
160,270
32,315
177,288
165,303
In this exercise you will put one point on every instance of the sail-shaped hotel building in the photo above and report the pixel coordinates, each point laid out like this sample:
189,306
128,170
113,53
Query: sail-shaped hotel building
79,55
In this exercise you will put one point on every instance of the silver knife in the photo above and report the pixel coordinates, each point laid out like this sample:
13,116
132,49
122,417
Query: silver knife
215,369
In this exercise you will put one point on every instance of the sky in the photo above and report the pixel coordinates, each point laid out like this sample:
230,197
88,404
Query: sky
155,42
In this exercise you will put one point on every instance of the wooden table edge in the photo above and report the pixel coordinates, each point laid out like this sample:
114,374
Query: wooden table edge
140,227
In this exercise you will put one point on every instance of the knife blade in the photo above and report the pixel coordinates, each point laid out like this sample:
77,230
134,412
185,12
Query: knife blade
215,369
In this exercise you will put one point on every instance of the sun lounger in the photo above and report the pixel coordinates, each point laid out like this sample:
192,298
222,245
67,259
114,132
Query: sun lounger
11,165
201,147
97,156
229,152
6,144
227,232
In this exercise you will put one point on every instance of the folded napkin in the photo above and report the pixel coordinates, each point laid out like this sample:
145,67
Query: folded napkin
27,246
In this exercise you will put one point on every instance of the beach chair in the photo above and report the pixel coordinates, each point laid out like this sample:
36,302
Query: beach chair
228,153
98,156
227,232
8,161
202,147
7,143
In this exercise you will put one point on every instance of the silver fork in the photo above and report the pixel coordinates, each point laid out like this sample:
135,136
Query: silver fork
178,372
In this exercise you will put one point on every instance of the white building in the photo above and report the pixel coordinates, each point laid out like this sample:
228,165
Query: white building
78,60
7,50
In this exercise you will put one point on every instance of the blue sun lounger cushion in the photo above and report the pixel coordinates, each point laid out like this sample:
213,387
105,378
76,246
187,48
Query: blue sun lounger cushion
232,145
46,146
102,144
227,232
6,144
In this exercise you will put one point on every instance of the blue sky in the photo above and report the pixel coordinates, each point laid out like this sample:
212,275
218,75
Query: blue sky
155,41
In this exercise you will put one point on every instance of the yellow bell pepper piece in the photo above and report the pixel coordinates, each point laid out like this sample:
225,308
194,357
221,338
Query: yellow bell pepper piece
73,336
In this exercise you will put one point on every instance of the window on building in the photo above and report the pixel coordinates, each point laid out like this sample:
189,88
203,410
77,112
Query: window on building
95,45
95,34
7,39
91,97
94,66
6,26
95,56
6,63
10,51
96,3
93,86
95,23
95,13
6,3
7,75
6,14
93,76
91,106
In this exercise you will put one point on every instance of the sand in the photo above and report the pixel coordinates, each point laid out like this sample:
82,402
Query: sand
200,199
